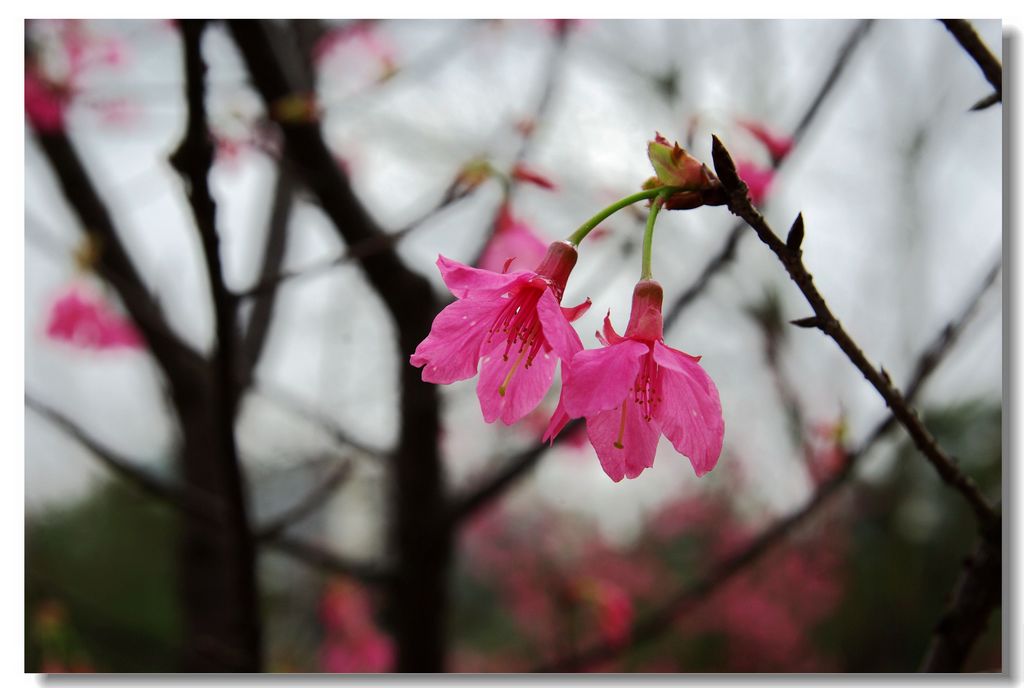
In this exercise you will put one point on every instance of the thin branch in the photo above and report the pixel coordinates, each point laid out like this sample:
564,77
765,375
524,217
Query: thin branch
515,467
179,497
325,560
201,504
791,259
553,71
354,252
292,403
972,44
977,593
691,595
273,258
320,493
727,253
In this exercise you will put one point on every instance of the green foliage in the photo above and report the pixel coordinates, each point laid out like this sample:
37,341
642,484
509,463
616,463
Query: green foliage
908,543
109,563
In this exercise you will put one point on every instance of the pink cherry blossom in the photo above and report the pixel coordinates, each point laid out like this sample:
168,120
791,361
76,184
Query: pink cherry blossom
513,239
635,389
45,102
758,179
90,323
510,325
778,145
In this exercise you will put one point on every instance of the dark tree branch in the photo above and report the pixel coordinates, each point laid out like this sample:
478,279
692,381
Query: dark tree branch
740,205
306,506
273,258
354,252
223,625
324,560
727,253
422,542
207,507
179,497
295,405
519,465
972,44
465,506
691,595
977,593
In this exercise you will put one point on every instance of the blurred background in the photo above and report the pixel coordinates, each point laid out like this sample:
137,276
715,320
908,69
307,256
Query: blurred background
480,140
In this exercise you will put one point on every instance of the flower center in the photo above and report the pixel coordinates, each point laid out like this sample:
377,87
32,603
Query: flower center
644,389
519,324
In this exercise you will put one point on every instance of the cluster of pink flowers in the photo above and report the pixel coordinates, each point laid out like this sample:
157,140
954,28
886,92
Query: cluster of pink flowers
511,328
566,589
562,588
352,641
88,322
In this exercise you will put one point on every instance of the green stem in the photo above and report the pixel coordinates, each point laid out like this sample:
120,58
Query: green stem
576,237
645,259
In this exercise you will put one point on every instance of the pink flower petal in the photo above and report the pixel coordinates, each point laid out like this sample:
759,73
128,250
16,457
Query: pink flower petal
690,412
559,418
462,280
510,389
601,378
610,335
558,333
625,443
451,350
758,180
574,313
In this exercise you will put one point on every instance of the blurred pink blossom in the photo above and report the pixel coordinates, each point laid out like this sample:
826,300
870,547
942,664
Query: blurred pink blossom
361,37
612,607
352,643
513,238
524,173
372,653
45,102
778,145
758,179
88,322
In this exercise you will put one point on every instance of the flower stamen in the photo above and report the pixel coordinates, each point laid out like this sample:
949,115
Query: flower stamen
512,370
622,427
